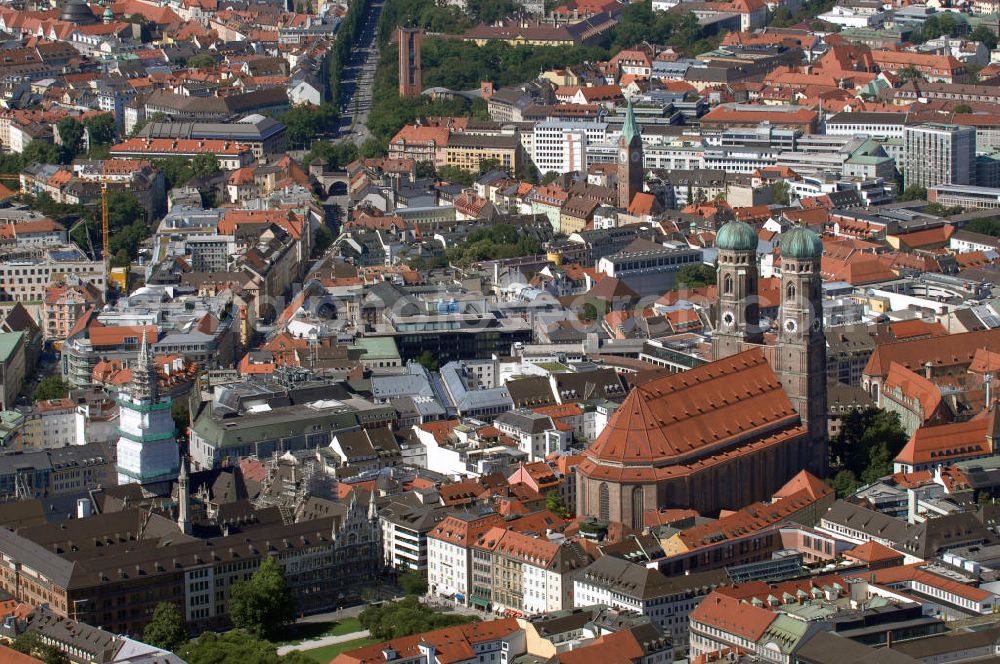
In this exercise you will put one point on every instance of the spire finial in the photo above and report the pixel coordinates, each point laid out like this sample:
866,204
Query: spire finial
144,381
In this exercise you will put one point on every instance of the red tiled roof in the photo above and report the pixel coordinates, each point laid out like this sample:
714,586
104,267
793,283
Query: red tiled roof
914,387
101,335
463,533
707,407
750,519
903,574
11,656
873,552
666,517
615,648
985,361
947,442
951,350
440,429
179,146
732,616
805,481
927,237
724,114
451,644
911,329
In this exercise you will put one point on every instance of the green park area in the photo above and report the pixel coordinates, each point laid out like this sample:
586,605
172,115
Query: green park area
324,654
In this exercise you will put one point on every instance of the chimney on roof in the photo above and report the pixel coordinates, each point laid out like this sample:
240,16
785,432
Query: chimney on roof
928,369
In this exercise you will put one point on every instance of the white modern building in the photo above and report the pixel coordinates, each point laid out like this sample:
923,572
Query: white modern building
879,126
561,146
936,154
536,435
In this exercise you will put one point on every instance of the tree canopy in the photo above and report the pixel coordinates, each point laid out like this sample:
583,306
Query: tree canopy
985,35
867,443
428,361
554,503
178,171
30,643
939,25
51,387
337,155
413,582
201,61
263,604
695,276
428,15
456,175
126,222
236,647
101,129
408,616
640,23
913,193
342,51
781,192
989,227
304,123
167,628
41,152
71,136
492,243
323,241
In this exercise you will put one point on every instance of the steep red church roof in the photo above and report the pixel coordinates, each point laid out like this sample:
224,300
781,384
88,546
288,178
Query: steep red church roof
707,409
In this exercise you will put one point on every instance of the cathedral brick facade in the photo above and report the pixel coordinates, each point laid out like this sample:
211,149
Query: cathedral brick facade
733,431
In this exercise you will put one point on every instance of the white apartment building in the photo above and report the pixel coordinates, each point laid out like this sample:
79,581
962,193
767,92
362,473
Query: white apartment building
681,154
527,574
721,622
667,601
50,424
561,146
449,556
24,276
404,532
880,126
738,160
536,435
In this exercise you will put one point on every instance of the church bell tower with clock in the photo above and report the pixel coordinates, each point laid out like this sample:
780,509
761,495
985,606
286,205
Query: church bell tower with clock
630,173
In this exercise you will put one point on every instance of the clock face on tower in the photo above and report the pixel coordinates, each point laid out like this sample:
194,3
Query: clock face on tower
623,156
728,319
790,325
635,157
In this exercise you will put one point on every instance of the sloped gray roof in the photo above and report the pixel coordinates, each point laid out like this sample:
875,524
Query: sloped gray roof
526,421
47,563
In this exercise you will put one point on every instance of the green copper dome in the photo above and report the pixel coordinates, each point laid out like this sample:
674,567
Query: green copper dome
800,242
736,236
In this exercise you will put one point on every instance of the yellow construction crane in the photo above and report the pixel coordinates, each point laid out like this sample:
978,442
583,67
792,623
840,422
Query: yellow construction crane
104,229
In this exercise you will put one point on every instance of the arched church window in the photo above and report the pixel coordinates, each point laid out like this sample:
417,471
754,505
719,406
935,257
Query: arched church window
728,284
604,502
637,507
790,292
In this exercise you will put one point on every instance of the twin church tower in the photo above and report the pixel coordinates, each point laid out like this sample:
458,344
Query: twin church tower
798,354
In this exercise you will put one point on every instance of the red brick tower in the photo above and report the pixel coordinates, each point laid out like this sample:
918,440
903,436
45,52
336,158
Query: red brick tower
409,62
